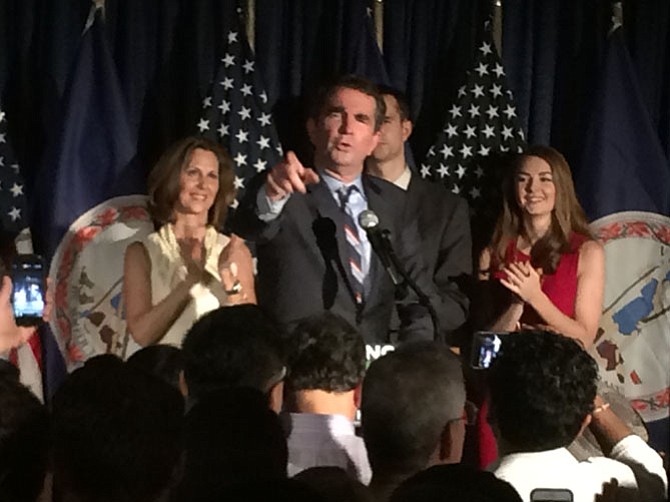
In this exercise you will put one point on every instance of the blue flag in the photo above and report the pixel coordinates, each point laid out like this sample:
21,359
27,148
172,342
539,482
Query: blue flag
623,166
624,185
363,55
89,158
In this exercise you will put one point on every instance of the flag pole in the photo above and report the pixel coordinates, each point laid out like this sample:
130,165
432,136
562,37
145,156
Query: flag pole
497,25
617,16
95,6
379,23
250,23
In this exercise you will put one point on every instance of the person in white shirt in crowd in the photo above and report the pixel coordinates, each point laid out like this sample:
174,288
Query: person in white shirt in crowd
326,356
543,395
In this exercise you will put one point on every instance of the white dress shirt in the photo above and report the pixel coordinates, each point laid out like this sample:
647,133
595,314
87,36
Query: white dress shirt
325,440
632,463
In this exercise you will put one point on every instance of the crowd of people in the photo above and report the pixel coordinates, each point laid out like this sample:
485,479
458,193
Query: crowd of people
257,383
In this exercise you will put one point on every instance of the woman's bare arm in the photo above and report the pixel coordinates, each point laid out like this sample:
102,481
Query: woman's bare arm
588,301
148,323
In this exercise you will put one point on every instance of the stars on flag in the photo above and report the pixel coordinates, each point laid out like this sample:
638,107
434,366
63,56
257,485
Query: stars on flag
237,114
13,203
481,121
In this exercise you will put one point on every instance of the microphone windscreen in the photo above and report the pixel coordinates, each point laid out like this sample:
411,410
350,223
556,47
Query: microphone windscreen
368,220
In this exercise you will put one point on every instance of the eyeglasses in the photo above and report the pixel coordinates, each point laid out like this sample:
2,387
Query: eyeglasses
276,378
470,412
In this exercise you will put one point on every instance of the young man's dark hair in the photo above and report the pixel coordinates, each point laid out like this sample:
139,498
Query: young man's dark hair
454,482
24,443
323,94
542,388
277,490
400,98
231,436
327,363
164,361
412,409
333,484
325,353
236,346
117,434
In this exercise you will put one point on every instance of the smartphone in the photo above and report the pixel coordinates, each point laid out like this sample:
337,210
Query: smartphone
551,495
28,292
486,346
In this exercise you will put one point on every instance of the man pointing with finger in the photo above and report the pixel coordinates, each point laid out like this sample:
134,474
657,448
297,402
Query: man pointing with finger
312,253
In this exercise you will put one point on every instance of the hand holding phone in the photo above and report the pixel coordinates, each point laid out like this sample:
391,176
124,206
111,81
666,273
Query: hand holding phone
486,346
11,335
29,290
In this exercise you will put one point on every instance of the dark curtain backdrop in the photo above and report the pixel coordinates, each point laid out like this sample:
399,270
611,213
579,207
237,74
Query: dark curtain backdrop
552,50
167,51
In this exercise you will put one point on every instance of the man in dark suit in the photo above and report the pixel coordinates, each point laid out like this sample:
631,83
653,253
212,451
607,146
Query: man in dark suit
442,218
312,253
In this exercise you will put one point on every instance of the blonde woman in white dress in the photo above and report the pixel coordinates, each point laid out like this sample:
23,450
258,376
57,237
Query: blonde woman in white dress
186,268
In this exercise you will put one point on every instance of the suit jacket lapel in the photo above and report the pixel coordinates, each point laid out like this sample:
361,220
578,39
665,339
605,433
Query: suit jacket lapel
376,203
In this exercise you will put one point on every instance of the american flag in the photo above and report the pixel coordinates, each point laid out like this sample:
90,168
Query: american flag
481,122
13,202
236,112
14,221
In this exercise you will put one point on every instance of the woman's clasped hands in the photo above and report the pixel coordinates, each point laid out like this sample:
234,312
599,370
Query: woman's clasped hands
523,280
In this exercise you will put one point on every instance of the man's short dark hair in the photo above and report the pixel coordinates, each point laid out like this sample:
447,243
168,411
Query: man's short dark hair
325,352
334,484
277,490
446,483
542,388
117,433
231,436
409,396
24,443
164,361
323,94
236,346
401,99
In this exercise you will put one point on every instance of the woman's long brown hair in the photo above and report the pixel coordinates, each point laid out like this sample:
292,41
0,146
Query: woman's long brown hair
567,217
164,180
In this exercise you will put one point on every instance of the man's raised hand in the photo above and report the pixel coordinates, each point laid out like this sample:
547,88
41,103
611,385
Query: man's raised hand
287,177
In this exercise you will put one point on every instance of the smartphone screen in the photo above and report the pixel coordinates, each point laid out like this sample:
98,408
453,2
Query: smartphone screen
485,347
551,495
28,295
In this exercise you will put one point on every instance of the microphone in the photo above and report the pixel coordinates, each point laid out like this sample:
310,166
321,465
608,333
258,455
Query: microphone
381,245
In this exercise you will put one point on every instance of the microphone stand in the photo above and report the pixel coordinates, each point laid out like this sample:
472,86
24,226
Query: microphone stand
401,289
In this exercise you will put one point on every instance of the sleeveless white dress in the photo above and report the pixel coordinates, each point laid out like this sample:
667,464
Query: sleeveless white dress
168,269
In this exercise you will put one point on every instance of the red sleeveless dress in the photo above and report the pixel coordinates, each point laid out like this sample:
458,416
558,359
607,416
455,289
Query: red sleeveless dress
561,288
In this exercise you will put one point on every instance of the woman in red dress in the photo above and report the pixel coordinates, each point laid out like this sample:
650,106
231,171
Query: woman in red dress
543,254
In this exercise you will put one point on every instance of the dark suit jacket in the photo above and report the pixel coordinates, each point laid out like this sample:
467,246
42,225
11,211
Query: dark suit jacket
301,261
443,221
